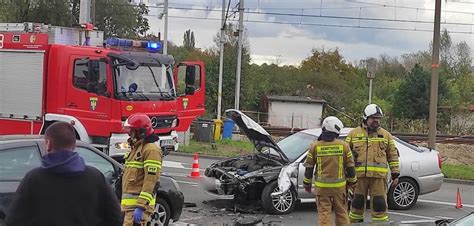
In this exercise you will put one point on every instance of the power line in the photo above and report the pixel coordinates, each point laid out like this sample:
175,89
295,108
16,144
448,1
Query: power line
323,25
331,17
408,7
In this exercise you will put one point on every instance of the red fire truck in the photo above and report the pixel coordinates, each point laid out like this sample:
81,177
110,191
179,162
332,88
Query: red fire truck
47,76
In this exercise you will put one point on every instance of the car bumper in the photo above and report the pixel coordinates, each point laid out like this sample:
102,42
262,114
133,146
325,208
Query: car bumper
430,183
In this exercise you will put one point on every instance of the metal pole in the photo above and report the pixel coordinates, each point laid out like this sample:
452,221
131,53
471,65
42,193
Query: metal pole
239,54
221,62
165,33
84,11
434,77
370,91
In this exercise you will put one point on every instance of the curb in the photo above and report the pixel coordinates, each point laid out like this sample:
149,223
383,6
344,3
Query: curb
173,153
457,181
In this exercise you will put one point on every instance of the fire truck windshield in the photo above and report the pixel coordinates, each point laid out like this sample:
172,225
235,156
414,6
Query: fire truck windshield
147,82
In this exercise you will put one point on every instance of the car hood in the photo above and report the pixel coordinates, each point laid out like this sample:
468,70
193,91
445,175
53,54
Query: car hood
259,136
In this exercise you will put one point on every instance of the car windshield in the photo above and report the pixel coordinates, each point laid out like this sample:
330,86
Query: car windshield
146,82
296,145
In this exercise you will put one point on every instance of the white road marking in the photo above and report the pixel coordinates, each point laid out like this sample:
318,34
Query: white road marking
187,182
444,203
173,164
411,215
177,165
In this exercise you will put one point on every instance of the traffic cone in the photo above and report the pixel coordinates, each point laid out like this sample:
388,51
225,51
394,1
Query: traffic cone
458,200
195,170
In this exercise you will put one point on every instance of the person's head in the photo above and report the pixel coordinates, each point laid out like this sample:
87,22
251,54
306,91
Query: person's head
60,136
331,128
372,116
138,126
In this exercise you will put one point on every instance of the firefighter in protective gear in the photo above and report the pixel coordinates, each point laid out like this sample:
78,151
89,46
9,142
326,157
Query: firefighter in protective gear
374,153
141,175
335,171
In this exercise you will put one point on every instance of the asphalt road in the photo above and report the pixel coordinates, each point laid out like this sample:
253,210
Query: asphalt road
209,210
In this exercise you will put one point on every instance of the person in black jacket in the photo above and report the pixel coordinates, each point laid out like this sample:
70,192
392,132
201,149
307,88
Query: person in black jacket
64,191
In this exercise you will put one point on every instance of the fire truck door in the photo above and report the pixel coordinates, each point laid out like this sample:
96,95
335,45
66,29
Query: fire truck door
190,82
89,90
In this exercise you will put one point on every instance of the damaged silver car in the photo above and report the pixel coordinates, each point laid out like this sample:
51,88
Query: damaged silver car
273,176
253,178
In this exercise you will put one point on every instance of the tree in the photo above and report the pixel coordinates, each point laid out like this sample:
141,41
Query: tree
188,39
412,100
115,18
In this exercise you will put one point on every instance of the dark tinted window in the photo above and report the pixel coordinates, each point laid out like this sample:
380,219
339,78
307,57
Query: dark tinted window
93,159
16,162
82,80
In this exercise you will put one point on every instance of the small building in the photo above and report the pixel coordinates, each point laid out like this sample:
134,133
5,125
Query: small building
294,111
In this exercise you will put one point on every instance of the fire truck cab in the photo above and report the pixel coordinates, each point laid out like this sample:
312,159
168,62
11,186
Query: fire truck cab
46,75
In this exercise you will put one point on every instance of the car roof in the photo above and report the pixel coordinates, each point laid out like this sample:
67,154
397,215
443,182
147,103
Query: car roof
317,131
35,138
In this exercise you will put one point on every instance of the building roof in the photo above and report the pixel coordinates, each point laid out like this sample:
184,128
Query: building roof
296,99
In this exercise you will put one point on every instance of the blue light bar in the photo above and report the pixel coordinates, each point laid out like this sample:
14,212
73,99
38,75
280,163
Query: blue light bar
151,46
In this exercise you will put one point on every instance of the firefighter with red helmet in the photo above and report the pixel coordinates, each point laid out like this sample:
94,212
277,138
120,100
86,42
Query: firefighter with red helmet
142,171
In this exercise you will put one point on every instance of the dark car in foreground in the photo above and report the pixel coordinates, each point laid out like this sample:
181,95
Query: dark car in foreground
20,154
259,177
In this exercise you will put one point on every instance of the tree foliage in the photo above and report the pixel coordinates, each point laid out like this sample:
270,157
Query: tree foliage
115,18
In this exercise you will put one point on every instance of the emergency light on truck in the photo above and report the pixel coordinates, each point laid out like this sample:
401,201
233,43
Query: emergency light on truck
151,46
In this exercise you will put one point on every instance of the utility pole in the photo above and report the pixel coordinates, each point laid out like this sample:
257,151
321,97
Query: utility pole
434,77
370,75
239,54
221,61
84,11
165,33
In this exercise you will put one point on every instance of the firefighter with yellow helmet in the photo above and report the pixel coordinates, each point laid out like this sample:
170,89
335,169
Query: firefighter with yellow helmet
141,175
374,153
335,171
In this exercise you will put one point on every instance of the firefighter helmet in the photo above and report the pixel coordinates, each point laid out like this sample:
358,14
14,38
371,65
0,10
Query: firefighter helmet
372,110
332,124
140,123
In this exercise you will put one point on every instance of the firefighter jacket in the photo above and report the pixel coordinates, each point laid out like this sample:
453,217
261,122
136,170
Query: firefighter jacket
334,166
374,153
141,175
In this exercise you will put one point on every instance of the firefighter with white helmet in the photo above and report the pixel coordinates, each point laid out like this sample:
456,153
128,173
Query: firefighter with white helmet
374,153
142,171
334,165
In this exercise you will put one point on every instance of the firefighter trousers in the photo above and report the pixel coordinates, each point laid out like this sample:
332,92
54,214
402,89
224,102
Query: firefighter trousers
326,203
377,188
128,218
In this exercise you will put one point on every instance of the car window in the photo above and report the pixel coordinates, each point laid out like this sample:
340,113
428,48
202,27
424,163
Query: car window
296,145
93,159
16,162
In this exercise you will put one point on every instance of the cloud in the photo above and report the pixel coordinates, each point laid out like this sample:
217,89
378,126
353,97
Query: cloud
291,43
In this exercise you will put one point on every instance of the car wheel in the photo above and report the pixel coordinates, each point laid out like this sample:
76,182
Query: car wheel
161,215
282,204
404,195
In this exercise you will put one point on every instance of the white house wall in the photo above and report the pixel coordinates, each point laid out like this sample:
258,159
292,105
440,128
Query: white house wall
295,114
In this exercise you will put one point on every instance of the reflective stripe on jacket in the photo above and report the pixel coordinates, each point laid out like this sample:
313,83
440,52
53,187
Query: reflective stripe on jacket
375,152
331,159
140,176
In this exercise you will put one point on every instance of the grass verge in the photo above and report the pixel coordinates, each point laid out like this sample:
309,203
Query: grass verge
462,172
224,148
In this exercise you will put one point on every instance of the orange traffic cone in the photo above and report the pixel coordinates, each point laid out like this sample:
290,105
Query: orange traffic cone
458,200
195,170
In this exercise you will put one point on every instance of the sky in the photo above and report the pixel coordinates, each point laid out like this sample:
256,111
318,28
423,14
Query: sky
285,32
